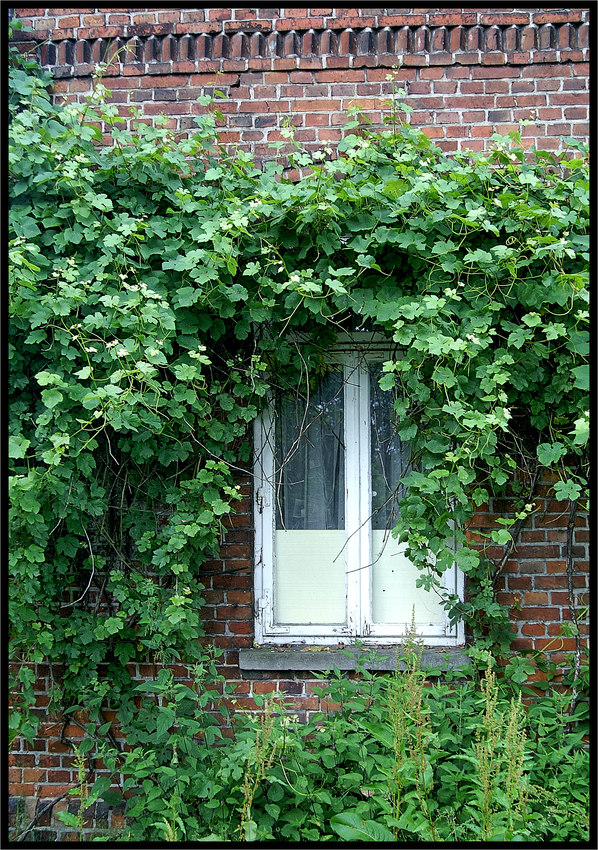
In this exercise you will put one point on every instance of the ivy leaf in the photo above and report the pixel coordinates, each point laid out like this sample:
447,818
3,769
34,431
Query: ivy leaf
466,559
17,446
45,378
51,398
236,292
532,320
582,377
68,818
443,246
567,490
581,431
549,454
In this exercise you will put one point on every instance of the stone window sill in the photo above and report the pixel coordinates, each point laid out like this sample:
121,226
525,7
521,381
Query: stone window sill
279,659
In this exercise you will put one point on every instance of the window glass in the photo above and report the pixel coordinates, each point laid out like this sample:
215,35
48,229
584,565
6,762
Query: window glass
389,455
394,592
310,536
310,457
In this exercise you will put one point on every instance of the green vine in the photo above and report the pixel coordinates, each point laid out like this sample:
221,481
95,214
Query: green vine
158,290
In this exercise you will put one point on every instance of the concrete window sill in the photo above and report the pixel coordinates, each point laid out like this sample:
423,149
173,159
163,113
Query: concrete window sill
279,659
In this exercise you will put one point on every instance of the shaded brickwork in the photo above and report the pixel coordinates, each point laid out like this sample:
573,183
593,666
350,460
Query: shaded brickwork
467,74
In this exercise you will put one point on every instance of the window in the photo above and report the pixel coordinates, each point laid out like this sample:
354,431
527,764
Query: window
327,471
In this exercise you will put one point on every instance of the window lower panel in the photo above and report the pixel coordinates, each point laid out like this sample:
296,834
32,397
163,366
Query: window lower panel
309,577
394,593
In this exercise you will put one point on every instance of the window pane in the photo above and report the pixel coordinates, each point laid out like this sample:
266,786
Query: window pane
389,455
394,594
309,542
309,577
310,457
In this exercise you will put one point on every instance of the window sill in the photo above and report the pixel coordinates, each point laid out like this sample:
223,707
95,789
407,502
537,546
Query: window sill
325,658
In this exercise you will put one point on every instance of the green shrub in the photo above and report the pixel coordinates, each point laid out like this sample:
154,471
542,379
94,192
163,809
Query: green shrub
401,759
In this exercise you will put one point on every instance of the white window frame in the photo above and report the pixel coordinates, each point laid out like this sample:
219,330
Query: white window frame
357,513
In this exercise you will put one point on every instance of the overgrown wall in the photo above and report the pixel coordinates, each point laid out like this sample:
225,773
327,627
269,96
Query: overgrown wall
467,74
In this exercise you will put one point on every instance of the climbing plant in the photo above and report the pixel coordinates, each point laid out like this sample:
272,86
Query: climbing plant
161,288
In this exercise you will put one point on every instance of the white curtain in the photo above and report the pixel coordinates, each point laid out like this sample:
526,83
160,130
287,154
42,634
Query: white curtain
310,457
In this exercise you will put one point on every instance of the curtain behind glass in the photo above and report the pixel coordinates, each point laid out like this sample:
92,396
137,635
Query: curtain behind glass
310,457
389,455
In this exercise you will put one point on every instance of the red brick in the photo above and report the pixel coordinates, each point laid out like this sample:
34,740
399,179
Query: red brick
264,687
331,135
401,20
19,789
233,580
241,628
553,581
559,597
564,643
170,81
30,13
536,552
552,71
504,18
523,643
537,598
49,790
167,108
530,613
532,536
558,17
537,629
242,597
473,87
504,598
55,746
492,72
576,112
234,612
99,32
520,583
59,776
63,23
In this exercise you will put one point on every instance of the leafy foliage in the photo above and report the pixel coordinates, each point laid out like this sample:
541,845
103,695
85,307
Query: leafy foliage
160,288
390,759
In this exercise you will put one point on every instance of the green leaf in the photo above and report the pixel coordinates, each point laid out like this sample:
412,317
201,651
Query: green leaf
68,818
352,827
112,798
236,292
582,377
567,490
165,720
549,454
532,320
51,398
17,446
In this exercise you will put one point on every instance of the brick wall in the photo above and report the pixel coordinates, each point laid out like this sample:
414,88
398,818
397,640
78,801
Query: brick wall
467,74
